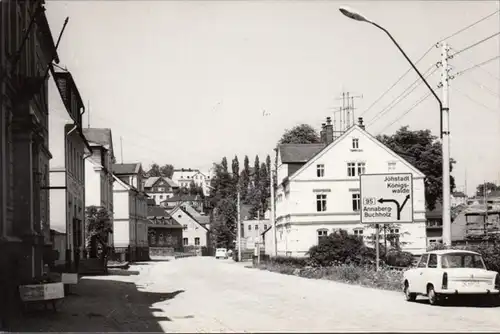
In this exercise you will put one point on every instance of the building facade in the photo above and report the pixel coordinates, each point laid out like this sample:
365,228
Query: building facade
164,232
252,231
194,234
130,223
185,176
159,188
26,50
98,174
318,190
67,176
195,201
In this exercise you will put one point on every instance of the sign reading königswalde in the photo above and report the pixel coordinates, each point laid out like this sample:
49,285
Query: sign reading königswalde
386,198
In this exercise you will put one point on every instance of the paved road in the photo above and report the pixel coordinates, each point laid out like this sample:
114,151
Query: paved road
207,295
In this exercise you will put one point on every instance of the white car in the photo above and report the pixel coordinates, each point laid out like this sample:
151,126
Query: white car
221,252
443,273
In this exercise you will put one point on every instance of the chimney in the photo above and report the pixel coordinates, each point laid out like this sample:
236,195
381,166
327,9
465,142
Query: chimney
328,131
360,123
322,133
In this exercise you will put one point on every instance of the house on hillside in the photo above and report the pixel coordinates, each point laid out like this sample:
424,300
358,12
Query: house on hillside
201,218
164,232
159,188
476,224
194,201
130,224
185,176
98,171
194,234
319,191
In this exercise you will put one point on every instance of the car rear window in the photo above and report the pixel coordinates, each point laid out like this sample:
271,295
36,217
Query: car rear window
462,260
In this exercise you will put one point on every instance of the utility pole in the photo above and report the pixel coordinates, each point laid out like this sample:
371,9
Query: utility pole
347,111
239,225
88,114
121,148
446,146
258,237
273,217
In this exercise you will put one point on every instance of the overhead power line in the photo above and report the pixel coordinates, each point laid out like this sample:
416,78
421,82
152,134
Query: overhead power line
474,45
415,84
474,100
477,66
422,99
425,53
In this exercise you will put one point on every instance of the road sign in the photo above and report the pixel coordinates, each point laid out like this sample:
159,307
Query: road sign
386,198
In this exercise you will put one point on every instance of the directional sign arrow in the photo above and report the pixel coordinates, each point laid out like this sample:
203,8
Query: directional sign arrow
399,207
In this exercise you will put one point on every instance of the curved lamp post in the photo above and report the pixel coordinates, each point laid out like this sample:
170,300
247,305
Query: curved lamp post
444,134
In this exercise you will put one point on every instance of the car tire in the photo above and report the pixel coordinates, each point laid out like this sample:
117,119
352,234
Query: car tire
434,298
409,296
216,257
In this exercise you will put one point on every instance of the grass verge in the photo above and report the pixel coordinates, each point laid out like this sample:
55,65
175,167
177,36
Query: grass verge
386,279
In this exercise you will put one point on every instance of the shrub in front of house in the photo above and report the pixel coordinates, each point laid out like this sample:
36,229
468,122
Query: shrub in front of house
340,248
397,258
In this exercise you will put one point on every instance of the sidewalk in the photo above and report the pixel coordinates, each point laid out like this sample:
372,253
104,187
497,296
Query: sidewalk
100,304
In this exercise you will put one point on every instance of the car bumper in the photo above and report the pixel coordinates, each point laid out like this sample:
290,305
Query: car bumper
470,291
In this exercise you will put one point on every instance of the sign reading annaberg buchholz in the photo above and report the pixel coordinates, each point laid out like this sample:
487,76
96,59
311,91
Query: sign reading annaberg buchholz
386,198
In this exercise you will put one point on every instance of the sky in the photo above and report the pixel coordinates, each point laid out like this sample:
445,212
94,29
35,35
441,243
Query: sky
188,82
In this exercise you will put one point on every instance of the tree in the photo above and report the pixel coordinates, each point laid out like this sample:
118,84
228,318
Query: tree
224,164
489,186
265,188
154,170
167,170
245,179
268,164
98,226
300,134
235,167
422,150
256,171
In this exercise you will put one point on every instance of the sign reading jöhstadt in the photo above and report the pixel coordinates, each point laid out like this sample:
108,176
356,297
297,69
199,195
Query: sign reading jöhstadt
386,198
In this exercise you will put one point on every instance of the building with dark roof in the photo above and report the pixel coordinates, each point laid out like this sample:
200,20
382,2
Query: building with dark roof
159,188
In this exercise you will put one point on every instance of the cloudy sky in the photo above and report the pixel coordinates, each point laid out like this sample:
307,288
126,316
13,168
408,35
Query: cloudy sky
188,82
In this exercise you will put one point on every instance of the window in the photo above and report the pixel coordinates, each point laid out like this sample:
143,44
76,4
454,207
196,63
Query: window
361,168
161,189
351,169
433,261
161,196
393,237
355,202
423,261
256,227
321,203
185,226
355,143
320,170
265,227
391,166
358,232
196,241
249,227
322,234
185,241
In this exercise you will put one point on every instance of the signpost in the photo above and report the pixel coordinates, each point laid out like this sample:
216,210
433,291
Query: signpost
386,199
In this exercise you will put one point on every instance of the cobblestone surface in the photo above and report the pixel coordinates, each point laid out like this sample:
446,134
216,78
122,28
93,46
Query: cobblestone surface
208,295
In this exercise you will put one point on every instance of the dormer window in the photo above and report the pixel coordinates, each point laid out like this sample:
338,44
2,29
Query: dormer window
320,170
355,143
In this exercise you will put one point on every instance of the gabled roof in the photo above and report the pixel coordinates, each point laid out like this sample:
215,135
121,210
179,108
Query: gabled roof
344,136
99,136
298,153
130,168
177,209
151,181
157,211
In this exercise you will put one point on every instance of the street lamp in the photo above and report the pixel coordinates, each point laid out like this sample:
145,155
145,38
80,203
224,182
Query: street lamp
444,111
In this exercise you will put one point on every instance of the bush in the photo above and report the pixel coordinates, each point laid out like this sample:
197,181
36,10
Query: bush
296,262
341,247
399,258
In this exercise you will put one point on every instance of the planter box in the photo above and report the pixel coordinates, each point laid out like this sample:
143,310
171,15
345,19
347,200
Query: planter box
40,292
69,278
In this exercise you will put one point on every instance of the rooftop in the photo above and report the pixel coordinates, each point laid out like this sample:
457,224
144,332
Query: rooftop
299,153
152,180
98,136
123,169
157,211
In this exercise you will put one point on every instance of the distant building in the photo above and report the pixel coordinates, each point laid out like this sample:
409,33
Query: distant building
458,198
252,232
159,188
98,174
130,224
194,201
185,176
194,234
318,190
164,232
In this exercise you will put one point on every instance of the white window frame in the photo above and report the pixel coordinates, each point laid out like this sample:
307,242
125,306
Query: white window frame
355,143
321,233
361,168
356,202
320,170
321,202
197,241
351,169
185,241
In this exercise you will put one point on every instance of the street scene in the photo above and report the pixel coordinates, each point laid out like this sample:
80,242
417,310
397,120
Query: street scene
249,166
